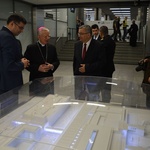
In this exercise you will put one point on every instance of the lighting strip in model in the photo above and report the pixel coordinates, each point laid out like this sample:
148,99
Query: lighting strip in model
91,140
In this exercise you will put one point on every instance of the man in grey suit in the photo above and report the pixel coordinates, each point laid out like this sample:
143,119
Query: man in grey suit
93,62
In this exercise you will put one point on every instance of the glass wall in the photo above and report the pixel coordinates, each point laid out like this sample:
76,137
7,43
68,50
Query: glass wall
7,7
56,21
24,10
61,22
26,36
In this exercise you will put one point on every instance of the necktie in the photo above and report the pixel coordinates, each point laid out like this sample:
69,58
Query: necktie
84,51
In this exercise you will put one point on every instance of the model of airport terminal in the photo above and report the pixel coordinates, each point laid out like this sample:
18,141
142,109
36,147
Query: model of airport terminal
60,123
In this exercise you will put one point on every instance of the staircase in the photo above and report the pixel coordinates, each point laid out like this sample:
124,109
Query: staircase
66,52
124,54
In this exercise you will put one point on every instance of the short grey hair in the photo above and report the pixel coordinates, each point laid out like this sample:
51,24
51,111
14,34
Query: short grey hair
87,28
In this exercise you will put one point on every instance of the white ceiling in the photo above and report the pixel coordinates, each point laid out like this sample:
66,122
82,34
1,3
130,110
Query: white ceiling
104,4
43,2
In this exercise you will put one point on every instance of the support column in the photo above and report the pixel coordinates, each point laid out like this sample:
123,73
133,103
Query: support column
148,34
142,18
80,14
99,14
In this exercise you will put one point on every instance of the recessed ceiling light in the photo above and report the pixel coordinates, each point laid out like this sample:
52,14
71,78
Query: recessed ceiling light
119,8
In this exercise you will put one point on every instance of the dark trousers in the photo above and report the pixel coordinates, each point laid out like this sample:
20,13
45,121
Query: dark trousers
87,88
124,33
146,90
133,40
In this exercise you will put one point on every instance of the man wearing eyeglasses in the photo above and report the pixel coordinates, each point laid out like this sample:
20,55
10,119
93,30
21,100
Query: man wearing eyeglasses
11,61
94,57
89,56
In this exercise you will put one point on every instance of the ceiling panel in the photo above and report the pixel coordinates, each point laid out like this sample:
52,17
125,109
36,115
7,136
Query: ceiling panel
105,5
43,2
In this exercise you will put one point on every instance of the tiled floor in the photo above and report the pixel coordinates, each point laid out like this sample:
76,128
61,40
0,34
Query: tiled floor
123,72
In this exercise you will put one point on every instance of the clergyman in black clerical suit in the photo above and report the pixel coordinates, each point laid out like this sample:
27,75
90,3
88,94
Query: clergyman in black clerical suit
42,56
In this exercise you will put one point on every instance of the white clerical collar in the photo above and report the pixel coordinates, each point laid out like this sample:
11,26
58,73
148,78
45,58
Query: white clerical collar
41,43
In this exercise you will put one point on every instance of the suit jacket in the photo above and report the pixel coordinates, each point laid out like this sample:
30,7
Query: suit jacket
109,46
99,38
10,61
147,70
33,54
133,30
94,60
146,84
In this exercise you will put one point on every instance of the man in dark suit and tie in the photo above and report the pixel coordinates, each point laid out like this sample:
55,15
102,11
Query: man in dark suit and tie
94,60
95,32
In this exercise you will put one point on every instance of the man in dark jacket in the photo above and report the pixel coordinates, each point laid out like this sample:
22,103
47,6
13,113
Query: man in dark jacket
94,60
95,32
133,33
89,60
146,78
11,61
109,46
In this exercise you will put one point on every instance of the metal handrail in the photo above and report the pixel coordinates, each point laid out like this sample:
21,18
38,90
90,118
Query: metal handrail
72,33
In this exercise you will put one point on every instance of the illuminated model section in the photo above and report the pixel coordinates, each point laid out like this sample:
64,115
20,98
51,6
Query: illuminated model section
59,123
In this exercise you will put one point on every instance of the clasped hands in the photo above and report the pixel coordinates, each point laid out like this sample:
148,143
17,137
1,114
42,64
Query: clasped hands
45,67
82,68
26,62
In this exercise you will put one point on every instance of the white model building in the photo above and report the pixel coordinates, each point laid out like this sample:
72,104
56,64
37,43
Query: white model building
59,123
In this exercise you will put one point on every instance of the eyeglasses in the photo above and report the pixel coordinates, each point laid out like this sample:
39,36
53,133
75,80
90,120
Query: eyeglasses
46,37
21,28
83,33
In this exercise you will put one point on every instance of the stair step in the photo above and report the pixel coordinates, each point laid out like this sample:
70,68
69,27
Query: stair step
124,53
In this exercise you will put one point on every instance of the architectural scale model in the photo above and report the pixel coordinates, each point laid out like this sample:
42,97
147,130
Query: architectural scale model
60,123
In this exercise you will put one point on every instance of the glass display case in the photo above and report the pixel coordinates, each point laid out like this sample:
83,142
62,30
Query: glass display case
78,113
